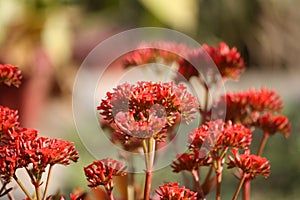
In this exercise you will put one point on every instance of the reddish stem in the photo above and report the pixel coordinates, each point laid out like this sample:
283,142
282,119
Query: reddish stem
247,189
148,183
197,184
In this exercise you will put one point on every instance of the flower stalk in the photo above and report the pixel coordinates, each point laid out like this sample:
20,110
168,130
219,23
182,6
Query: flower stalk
149,151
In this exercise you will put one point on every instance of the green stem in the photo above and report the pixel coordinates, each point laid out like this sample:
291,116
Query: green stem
149,151
239,187
22,187
47,182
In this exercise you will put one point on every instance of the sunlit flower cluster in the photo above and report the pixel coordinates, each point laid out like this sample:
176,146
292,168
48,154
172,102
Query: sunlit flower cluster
147,109
172,191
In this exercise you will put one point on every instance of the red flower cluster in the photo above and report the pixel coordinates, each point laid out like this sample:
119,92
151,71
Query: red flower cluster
251,165
154,52
172,191
272,124
246,107
10,75
21,147
217,135
228,61
147,109
191,161
45,151
101,172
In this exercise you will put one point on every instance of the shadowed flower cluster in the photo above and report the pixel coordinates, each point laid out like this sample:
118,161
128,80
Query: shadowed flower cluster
172,191
251,165
10,75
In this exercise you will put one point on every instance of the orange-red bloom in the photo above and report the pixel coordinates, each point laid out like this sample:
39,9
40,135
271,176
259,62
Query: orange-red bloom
273,124
147,109
246,107
10,75
102,171
251,165
191,161
172,191
217,134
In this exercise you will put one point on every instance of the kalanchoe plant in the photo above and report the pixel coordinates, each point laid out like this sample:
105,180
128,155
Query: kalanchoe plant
144,114
22,148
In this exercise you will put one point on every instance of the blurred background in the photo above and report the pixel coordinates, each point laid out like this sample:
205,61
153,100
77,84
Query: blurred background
50,39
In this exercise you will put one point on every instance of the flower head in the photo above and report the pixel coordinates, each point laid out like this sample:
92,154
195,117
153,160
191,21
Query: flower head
246,107
273,124
217,134
251,165
229,61
172,191
8,119
190,161
46,151
147,109
10,75
101,172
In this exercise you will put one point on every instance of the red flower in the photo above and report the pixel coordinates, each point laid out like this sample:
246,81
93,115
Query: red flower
246,107
8,163
147,109
10,75
8,120
172,191
154,52
229,61
101,172
236,135
251,165
190,161
272,124
45,151
217,135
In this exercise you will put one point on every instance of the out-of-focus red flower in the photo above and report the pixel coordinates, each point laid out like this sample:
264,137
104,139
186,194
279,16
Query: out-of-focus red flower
191,161
161,51
147,109
246,107
172,191
251,165
229,61
47,151
273,124
217,135
10,75
101,172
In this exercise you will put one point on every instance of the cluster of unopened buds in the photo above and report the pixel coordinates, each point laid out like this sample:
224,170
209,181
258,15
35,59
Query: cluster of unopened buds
144,115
